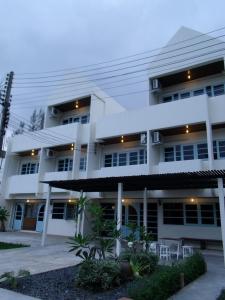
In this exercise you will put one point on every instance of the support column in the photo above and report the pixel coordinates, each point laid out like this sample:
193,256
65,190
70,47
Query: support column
222,211
145,221
46,216
209,144
119,216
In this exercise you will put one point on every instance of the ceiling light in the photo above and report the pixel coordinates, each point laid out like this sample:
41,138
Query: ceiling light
32,152
192,200
187,126
123,200
72,147
122,140
189,75
187,130
76,104
69,200
28,201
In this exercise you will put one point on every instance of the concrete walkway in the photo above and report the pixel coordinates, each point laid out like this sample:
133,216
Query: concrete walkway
208,286
9,295
35,258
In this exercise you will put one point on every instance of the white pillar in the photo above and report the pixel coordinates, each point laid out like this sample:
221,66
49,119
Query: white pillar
119,216
145,209
222,211
46,216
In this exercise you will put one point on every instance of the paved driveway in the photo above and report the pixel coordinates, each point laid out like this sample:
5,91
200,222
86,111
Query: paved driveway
35,258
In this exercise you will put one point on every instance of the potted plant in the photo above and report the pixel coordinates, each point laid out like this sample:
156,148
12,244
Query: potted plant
4,214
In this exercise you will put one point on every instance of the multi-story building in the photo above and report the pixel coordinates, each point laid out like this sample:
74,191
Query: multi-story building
182,130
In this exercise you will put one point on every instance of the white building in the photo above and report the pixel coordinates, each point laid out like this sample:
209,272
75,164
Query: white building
182,130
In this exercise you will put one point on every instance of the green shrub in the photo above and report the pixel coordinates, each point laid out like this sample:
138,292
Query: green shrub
222,295
99,275
166,281
148,260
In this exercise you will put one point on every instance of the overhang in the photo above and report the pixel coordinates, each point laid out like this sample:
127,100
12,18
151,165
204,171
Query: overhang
169,181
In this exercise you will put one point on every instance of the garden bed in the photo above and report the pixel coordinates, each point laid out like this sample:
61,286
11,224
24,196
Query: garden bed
60,285
4,246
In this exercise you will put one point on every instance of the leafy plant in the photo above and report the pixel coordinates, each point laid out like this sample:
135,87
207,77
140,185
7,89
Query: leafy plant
222,295
166,281
12,278
4,214
99,275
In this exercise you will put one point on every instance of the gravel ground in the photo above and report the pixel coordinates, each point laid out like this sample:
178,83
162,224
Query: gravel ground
60,285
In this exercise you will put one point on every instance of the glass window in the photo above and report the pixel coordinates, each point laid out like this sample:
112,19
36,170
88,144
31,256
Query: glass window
65,164
169,154
207,214
65,122
85,119
198,92
133,158
185,95
122,159
70,211
108,160
218,89
142,157
209,91
173,213
218,223
167,99
58,211
191,214
114,159
76,120
221,149
202,151
188,152
175,97
215,154
29,168
178,152
83,163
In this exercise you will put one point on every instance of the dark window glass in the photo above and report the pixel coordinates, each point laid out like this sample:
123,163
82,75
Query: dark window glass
218,89
198,92
65,122
122,159
188,152
173,213
142,157
209,91
29,168
114,159
175,96
169,154
218,223
202,151
215,150
76,120
178,152
85,119
221,148
65,164
133,158
58,211
70,211
167,99
83,163
207,214
108,160
185,95
191,214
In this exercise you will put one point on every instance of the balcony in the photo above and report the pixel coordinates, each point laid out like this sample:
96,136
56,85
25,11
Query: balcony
22,184
180,166
120,171
49,176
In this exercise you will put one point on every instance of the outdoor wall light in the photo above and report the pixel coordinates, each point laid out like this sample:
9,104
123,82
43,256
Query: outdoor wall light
32,152
122,140
72,147
77,104
192,200
189,75
123,200
187,128
28,201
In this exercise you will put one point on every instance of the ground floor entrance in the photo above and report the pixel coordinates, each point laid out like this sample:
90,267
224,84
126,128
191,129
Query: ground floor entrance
28,216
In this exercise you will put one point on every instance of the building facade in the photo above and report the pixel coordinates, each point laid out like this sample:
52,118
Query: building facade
92,136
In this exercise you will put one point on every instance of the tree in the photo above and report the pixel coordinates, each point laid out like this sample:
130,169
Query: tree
36,120
4,214
20,129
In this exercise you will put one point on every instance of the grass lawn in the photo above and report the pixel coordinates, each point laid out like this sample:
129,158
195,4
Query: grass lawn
4,246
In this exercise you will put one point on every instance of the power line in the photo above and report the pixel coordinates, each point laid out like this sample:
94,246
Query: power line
125,57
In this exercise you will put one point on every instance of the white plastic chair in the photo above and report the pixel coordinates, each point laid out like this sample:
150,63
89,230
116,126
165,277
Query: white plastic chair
164,252
153,247
175,250
187,251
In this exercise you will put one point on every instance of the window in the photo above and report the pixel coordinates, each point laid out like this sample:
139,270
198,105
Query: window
191,214
188,152
122,159
175,97
167,99
76,120
29,168
65,164
85,119
133,158
202,150
207,214
83,163
178,152
221,145
218,89
198,92
114,159
215,153
108,160
142,156
218,223
209,91
58,210
173,213
70,211
185,95
169,154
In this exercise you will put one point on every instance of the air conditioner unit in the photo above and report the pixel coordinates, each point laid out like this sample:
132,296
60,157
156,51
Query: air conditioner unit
54,112
155,84
50,153
143,139
156,137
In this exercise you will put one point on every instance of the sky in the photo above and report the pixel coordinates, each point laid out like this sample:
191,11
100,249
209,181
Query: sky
42,36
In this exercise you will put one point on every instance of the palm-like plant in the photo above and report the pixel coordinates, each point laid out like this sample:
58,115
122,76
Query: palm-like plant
4,214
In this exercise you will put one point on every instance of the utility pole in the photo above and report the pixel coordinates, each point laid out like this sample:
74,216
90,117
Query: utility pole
5,98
